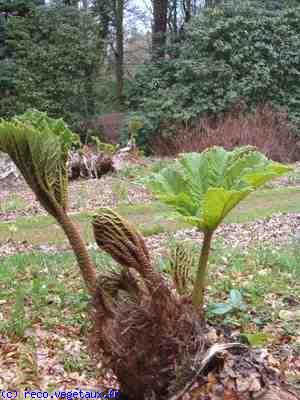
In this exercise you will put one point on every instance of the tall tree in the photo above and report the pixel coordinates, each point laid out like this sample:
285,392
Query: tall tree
180,13
119,48
103,11
173,17
187,7
111,16
159,29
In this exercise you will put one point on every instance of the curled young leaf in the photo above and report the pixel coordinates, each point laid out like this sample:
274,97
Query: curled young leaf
39,147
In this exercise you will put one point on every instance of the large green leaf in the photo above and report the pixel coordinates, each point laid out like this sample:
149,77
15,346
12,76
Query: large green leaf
217,204
203,188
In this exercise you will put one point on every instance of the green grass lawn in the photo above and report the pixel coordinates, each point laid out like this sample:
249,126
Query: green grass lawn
48,288
151,218
264,203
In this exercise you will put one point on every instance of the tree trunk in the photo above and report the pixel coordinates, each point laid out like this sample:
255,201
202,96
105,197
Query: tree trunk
85,4
160,11
172,19
175,22
103,8
119,53
187,10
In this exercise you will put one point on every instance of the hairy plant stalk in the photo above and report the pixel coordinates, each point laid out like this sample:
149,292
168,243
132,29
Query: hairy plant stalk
86,265
198,292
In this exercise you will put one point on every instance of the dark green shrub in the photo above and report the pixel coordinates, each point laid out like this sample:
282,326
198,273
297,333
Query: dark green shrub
56,53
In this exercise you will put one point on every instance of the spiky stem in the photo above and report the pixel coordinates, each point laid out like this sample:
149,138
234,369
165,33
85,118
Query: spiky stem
198,292
86,265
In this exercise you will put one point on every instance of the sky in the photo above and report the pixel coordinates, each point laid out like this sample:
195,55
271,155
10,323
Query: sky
142,24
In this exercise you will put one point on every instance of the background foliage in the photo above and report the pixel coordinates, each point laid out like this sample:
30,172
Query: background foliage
61,57
55,55
239,52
